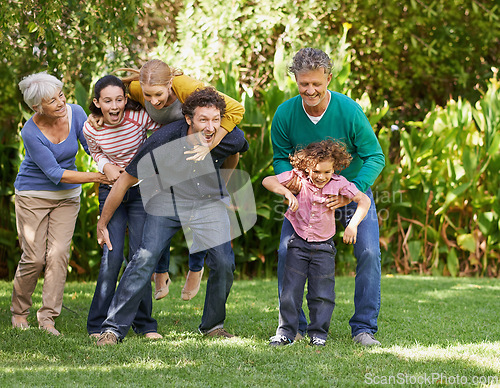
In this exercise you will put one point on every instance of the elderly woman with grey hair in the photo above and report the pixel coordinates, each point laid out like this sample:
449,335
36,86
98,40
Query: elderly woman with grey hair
47,197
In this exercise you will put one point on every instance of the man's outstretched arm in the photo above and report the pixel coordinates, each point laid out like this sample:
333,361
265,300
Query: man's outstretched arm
114,199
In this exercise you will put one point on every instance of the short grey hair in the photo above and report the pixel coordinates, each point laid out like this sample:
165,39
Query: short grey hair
38,87
308,59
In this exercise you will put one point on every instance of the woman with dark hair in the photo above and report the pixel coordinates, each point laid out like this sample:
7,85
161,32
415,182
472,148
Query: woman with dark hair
47,197
125,126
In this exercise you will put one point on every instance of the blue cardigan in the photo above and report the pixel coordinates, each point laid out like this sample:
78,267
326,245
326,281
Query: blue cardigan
45,162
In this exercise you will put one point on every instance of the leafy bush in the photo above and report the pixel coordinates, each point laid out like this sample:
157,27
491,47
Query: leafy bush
411,53
72,41
443,212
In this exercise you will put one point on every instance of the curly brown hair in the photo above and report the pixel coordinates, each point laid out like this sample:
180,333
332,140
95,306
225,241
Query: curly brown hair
320,151
206,97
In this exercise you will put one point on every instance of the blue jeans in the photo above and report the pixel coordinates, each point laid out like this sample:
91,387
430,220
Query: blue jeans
158,231
130,212
368,273
314,261
196,260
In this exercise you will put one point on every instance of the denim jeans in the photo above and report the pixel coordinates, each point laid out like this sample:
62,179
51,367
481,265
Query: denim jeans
368,273
204,221
196,261
130,212
314,261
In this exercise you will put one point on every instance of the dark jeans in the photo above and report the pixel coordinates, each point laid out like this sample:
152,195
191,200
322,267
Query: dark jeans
367,253
205,221
314,261
196,261
130,213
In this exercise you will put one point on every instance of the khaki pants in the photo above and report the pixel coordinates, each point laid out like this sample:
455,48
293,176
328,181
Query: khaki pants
45,228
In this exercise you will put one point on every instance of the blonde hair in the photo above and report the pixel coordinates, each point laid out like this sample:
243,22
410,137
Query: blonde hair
320,151
154,72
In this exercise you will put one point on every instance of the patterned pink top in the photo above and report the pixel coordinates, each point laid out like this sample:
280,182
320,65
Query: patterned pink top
313,221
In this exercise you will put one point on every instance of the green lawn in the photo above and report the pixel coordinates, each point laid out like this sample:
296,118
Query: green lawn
433,330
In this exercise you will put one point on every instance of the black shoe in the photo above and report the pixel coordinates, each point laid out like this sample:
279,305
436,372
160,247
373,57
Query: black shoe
279,340
315,341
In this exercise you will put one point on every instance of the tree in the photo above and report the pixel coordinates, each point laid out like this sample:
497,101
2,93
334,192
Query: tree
69,39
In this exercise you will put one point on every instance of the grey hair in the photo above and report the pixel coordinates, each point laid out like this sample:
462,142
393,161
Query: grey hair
310,59
37,87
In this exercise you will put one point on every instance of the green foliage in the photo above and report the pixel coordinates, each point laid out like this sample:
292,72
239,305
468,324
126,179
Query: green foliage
445,217
245,34
71,41
411,53
408,52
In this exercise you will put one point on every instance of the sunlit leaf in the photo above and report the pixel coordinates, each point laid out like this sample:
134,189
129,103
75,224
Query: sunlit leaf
452,262
467,242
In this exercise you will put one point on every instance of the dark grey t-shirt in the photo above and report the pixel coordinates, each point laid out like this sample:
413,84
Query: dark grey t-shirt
167,114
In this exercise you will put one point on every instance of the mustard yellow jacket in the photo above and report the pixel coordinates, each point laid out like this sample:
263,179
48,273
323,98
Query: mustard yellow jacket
183,86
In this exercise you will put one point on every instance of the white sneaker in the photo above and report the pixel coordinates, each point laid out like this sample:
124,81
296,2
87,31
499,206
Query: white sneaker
279,340
317,341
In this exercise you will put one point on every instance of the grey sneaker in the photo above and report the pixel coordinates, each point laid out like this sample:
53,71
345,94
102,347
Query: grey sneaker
366,339
107,338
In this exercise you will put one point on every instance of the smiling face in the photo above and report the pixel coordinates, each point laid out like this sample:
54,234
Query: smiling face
313,87
321,173
158,95
204,124
54,107
112,103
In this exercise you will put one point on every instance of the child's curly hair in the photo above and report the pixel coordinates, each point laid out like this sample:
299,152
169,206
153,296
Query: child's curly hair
320,151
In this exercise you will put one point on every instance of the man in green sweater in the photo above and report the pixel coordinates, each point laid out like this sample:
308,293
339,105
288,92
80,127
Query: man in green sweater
317,114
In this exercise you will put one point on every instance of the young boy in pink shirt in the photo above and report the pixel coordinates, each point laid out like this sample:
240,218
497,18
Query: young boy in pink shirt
311,251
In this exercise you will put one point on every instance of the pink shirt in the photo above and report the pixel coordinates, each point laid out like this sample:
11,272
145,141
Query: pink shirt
313,221
118,144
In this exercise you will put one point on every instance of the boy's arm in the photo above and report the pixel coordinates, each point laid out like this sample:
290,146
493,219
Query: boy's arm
272,184
351,231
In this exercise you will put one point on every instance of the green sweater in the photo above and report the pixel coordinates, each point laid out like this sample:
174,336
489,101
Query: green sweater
343,120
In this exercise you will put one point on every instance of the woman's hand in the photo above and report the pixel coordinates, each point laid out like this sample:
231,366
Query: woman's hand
95,122
112,171
336,201
199,151
101,178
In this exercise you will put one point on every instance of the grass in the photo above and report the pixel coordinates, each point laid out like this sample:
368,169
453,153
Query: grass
442,331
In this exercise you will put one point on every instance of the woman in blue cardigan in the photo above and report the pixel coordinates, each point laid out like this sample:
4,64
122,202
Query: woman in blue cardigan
47,197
